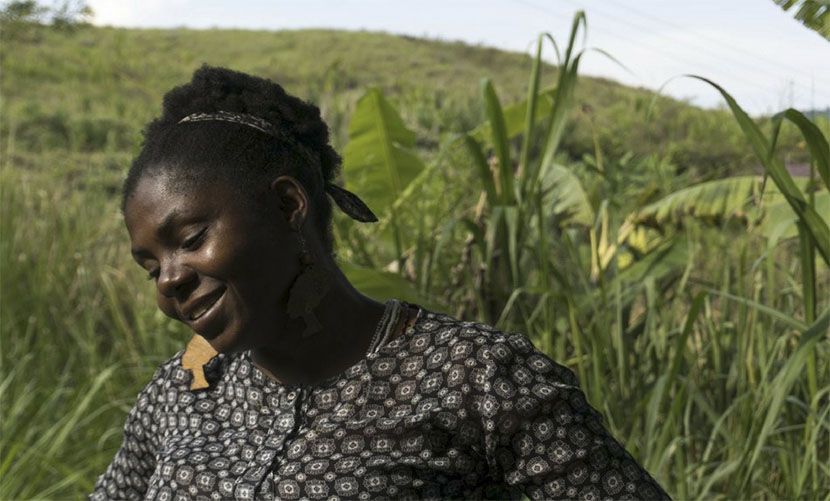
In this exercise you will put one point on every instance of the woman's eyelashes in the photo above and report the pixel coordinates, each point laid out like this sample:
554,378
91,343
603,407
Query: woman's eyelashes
193,242
190,243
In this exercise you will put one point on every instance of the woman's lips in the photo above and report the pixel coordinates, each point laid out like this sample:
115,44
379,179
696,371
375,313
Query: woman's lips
204,320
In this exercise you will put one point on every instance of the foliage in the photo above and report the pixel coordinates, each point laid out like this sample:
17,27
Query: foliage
814,14
18,11
687,291
378,160
566,275
69,14
22,19
113,78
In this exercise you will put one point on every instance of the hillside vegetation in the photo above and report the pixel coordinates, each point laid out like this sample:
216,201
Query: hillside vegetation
662,252
93,89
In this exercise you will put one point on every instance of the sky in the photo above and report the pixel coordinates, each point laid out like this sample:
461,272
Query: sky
766,59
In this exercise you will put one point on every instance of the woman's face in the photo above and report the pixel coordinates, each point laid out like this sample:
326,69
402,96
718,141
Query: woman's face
216,266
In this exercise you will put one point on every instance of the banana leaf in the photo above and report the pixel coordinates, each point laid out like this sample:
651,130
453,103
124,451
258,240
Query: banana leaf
378,161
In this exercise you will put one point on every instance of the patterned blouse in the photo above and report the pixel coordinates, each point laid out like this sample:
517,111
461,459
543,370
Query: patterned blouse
450,409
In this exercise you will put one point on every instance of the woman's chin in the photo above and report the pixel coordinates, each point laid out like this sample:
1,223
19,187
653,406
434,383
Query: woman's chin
225,341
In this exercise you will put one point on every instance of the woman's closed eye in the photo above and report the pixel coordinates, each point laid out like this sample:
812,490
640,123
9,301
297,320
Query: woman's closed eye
194,241
190,243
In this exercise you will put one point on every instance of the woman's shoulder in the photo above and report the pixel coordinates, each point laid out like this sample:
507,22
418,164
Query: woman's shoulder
501,351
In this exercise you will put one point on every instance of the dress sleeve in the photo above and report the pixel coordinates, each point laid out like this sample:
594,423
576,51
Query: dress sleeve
544,439
127,475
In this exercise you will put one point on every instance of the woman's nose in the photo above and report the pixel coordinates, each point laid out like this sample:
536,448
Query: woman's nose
173,278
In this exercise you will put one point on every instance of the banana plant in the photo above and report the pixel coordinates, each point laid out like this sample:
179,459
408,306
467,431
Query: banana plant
380,163
750,200
815,225
379,159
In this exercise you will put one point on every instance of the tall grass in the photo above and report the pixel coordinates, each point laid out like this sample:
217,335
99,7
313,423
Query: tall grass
77,337
701,339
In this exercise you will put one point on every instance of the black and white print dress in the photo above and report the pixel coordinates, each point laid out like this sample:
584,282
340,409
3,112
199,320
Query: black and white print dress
449,410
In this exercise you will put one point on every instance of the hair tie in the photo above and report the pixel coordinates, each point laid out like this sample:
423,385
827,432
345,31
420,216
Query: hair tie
347,201
350,203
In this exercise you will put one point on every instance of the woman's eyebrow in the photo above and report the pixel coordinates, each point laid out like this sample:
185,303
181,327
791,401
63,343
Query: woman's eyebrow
139,253
164,229
169,221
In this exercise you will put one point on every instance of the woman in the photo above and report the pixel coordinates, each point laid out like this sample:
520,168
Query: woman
296,384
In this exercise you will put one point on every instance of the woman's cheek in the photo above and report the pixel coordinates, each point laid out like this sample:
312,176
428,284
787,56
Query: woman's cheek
166,306
213,259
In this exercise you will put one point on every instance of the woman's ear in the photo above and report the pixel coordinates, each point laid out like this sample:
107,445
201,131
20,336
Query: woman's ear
292,200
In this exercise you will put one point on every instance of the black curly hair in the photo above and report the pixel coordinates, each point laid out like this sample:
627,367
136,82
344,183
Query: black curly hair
242,156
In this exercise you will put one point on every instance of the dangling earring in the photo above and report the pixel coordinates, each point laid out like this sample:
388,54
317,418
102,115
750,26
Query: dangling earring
308,290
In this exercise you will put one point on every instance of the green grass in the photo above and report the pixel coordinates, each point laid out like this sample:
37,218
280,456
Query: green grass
94,89
695,345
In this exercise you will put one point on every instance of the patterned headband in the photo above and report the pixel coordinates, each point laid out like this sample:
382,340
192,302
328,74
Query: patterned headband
348,202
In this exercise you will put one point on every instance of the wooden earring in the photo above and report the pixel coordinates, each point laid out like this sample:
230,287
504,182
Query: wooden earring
197,354
308,290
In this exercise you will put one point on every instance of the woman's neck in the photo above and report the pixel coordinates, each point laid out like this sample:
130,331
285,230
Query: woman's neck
348,319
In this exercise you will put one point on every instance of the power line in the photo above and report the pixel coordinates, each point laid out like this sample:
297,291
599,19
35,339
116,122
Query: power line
715,56
721,45
673,57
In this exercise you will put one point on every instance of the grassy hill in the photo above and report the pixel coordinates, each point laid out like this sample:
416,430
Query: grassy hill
93,89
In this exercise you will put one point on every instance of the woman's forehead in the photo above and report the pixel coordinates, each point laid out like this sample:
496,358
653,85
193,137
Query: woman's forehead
181,186
160,198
